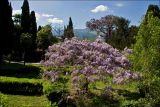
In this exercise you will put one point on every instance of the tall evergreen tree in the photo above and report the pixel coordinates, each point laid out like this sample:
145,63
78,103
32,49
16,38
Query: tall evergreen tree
33,29
39,28
70,28
25,17
146,57
155,9
68,32
70,23
6,27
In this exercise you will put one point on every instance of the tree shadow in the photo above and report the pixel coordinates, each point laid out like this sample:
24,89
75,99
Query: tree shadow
19,70
129,95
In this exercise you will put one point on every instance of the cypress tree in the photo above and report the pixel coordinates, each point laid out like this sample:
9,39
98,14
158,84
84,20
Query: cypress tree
70,28
146,57
68,32
6,27
25,17
39,28
155,9
33,29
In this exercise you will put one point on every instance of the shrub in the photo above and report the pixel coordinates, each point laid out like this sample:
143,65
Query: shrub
18,70
149,90
21,86
3,100
54,91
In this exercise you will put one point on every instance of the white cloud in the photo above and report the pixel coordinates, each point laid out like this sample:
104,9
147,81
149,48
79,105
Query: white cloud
38,16
55,20
119,5
100,8
47,15
14,12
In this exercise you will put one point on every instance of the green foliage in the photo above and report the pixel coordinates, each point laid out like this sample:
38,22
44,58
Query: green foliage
3,100
25,17
155,9
149,90
114,29
146,55
119,38
21,86
54,91
26,41
45,37
68,32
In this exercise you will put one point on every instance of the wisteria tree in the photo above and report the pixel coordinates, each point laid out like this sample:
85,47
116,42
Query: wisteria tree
91,61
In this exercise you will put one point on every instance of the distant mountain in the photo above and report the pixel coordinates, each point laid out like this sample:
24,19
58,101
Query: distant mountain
85,34
82,34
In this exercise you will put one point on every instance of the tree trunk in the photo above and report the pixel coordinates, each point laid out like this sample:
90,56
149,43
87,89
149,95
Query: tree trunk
24,55
1,60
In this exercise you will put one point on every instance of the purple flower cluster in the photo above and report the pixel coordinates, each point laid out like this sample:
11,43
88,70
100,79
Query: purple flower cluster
95,58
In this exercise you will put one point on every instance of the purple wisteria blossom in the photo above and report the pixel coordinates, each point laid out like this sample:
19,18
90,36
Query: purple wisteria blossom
95,59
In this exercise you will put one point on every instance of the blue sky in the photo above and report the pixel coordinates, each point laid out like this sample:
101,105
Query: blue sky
58,12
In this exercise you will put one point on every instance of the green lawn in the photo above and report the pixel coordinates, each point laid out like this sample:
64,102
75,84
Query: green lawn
27,101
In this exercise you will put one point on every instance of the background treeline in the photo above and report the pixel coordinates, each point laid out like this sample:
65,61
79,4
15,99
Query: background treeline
115,30
20,38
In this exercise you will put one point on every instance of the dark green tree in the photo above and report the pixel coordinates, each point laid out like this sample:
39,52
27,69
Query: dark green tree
17,31
104,25
25,17
69,31
120,34
70,28
133,31
44,37
26,43
39,28
6,28
114,29
33,29
155,9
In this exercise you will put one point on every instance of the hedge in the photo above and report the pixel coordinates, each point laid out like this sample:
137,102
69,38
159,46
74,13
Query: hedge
21,86
19,70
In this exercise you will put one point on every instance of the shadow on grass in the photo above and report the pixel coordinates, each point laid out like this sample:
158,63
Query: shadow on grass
19,70
129,95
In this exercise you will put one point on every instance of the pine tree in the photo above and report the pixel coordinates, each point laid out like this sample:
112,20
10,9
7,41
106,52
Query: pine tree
33,29
25,17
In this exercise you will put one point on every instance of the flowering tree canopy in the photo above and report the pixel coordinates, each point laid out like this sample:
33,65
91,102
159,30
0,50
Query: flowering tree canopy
94,60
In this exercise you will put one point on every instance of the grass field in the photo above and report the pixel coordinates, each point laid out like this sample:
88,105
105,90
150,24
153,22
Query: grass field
27,101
